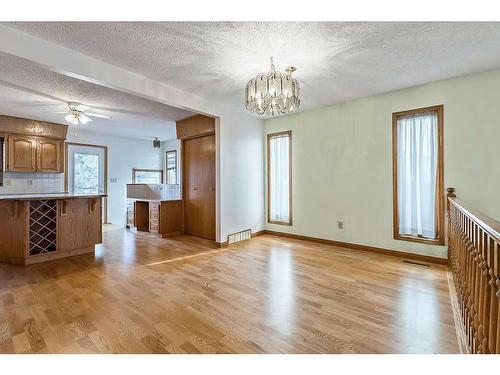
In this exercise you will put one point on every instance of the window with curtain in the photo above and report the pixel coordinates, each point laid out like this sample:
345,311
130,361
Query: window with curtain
418,184
171,167
279,154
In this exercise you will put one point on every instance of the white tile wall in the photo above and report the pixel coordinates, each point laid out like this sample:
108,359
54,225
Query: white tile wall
171,191
19,183
153,191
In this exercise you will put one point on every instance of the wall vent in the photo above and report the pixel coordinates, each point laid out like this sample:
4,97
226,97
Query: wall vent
240,236
416,263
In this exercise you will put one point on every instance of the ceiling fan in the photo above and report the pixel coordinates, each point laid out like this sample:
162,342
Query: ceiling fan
76,114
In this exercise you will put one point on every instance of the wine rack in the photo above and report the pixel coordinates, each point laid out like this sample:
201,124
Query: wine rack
42,227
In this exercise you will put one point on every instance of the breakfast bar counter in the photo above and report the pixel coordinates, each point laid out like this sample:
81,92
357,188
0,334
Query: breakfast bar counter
40,227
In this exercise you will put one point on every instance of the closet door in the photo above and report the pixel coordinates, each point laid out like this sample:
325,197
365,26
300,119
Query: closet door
199,186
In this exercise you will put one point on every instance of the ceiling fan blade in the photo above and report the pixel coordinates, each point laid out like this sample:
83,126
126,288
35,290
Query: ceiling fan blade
75,106
97,115
81,107
84,119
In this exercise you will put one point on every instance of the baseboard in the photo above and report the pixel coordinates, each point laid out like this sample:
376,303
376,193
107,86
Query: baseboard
459,325
221,244
259,233
400,254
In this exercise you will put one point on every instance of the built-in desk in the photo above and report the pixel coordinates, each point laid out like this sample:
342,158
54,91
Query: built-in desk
155,216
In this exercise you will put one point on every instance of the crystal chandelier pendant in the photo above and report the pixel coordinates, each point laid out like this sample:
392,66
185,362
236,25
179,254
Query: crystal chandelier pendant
273,93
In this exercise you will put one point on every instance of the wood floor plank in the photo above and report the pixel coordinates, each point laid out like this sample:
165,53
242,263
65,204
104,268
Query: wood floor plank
144,294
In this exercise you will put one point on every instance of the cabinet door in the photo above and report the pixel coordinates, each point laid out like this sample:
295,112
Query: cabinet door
49,155
79,223
21,153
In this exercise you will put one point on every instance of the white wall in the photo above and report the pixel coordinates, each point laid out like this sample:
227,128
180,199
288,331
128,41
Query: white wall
342,160
123,155
241,174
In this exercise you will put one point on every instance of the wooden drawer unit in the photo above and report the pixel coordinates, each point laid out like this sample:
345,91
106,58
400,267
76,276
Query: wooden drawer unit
154,226
154,221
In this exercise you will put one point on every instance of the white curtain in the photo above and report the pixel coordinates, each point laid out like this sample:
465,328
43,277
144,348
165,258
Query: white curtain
417,174
279,178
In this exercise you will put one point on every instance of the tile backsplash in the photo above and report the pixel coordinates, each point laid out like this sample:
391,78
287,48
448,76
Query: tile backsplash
20,183
153,191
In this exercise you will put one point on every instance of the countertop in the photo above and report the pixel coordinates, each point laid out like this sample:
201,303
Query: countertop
31,197
155,200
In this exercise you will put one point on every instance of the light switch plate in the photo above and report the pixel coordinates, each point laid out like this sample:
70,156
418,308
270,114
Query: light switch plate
340,225
113,180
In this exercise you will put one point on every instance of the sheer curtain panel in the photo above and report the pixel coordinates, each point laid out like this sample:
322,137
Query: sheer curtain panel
279,178
417,167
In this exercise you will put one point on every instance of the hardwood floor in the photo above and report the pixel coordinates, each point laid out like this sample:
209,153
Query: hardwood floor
142,294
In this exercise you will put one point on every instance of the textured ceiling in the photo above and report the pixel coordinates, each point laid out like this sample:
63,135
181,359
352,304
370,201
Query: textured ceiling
27,90
336,61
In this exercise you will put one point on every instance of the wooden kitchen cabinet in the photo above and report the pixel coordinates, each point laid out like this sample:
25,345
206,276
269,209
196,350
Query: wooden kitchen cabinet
84,214
34,230
49,155
34,154
21,155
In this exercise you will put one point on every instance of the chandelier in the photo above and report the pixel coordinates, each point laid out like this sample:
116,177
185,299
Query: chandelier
273,93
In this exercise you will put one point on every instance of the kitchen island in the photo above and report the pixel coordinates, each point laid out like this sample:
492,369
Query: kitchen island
36,228
162,216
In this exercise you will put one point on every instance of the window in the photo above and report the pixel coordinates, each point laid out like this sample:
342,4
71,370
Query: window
171,167
418,175
279,175
85,173
147,176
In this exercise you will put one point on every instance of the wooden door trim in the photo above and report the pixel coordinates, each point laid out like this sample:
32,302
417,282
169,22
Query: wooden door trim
105,201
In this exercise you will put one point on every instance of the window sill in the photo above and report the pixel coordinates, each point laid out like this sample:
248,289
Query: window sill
429,241
280,222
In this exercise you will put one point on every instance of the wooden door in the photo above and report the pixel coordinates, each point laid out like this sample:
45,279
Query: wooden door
49,155
199,186
21,153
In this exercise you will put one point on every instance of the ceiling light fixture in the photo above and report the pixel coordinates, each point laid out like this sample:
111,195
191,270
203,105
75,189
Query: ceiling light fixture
76,118
273,93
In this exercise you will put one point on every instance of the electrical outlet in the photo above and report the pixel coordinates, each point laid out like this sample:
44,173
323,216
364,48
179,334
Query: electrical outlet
340,224
30,182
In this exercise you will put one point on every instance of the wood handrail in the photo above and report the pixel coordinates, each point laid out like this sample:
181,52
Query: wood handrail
488,224
474,260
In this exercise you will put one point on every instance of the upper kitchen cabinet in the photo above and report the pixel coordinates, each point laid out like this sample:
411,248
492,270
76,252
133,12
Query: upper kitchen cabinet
49,155
33,146
21,156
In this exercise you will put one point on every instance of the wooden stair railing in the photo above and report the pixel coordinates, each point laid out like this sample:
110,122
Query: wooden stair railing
474,260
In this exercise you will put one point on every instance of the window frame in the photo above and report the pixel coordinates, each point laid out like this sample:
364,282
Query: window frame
439,240
135,170
269,137
175,168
